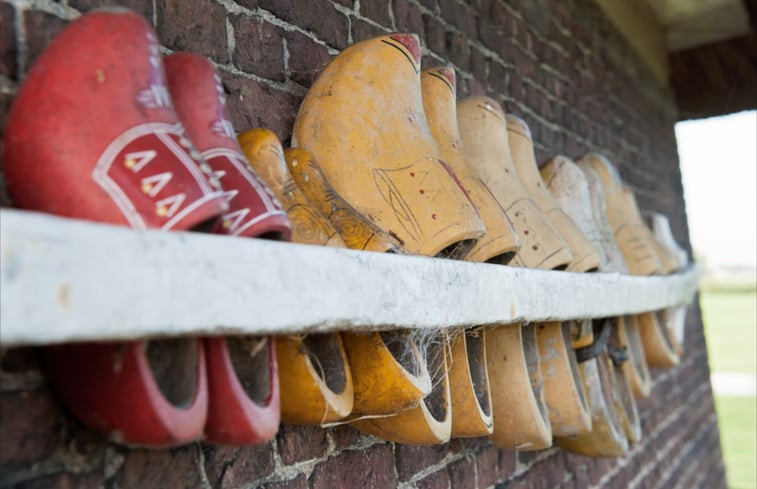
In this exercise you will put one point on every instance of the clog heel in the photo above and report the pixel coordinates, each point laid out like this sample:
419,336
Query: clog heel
92,134
363,121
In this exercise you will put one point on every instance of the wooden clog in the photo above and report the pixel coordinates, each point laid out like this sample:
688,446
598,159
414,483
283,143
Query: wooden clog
625,401
469,385
563,389
264,153
363,121
200,103
585,257
521,419
658,346
243,390
640,257
483,132
316,381
357,231
315,376
389,373
636,368
607,437
430,422
500,243
92,134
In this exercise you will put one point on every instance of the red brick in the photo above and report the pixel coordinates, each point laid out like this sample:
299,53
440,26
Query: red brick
299,443
320,17
407,17
507,463
28,423
363,30
259,47
228,466
411,459
487,466
435,35
40,28
462,17
377,12
177,468
307,58
193,25
370,468
8,48
435,480
458,50
252,104
462,473
344,436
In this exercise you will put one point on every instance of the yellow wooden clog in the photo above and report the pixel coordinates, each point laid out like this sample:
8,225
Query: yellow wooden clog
585,256
363,121
430,422
521,419
483,132
357,231
500,243
636,368
469,385
266,156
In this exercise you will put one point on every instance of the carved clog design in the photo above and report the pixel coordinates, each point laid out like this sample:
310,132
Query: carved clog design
563,388
315,376
92,134
521,419
469,385
585,256
241,410
363,121
265,154
355,229
430,422
500,243
483,132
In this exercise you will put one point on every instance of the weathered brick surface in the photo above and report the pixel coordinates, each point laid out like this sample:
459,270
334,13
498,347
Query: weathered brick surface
562,66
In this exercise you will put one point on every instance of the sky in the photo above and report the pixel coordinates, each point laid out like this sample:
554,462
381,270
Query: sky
719,171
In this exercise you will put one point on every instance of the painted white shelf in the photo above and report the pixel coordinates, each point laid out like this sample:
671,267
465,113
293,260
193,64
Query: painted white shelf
70,280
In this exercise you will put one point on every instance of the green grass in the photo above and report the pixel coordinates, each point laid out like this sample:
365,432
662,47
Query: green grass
730,324
737,418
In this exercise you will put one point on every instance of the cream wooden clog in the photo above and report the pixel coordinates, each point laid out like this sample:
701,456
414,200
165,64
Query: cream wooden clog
264,153
500,243
563,387
483,132
521,419
363,121
357,231
430,422
585,256
469,385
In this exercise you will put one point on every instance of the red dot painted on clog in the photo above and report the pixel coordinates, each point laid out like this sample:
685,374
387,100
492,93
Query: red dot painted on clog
412,174
433,216
534,247
525,232
422,191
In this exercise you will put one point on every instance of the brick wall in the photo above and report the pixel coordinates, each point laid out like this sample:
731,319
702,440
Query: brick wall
559,65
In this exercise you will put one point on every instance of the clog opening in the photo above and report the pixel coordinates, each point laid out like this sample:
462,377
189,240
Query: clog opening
250,358
477,367
436,400
399,344
502,259
637,351
457,250
530,350
609,390
325,354
573,364
173,363
273,236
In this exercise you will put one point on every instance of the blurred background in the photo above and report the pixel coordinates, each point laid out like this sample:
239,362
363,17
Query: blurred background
719,170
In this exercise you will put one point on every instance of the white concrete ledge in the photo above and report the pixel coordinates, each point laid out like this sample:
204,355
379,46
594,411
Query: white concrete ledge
70,280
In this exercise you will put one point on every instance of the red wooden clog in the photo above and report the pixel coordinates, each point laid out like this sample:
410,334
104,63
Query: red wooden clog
92,134
243,383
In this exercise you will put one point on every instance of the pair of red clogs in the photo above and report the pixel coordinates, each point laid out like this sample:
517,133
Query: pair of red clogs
102,130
